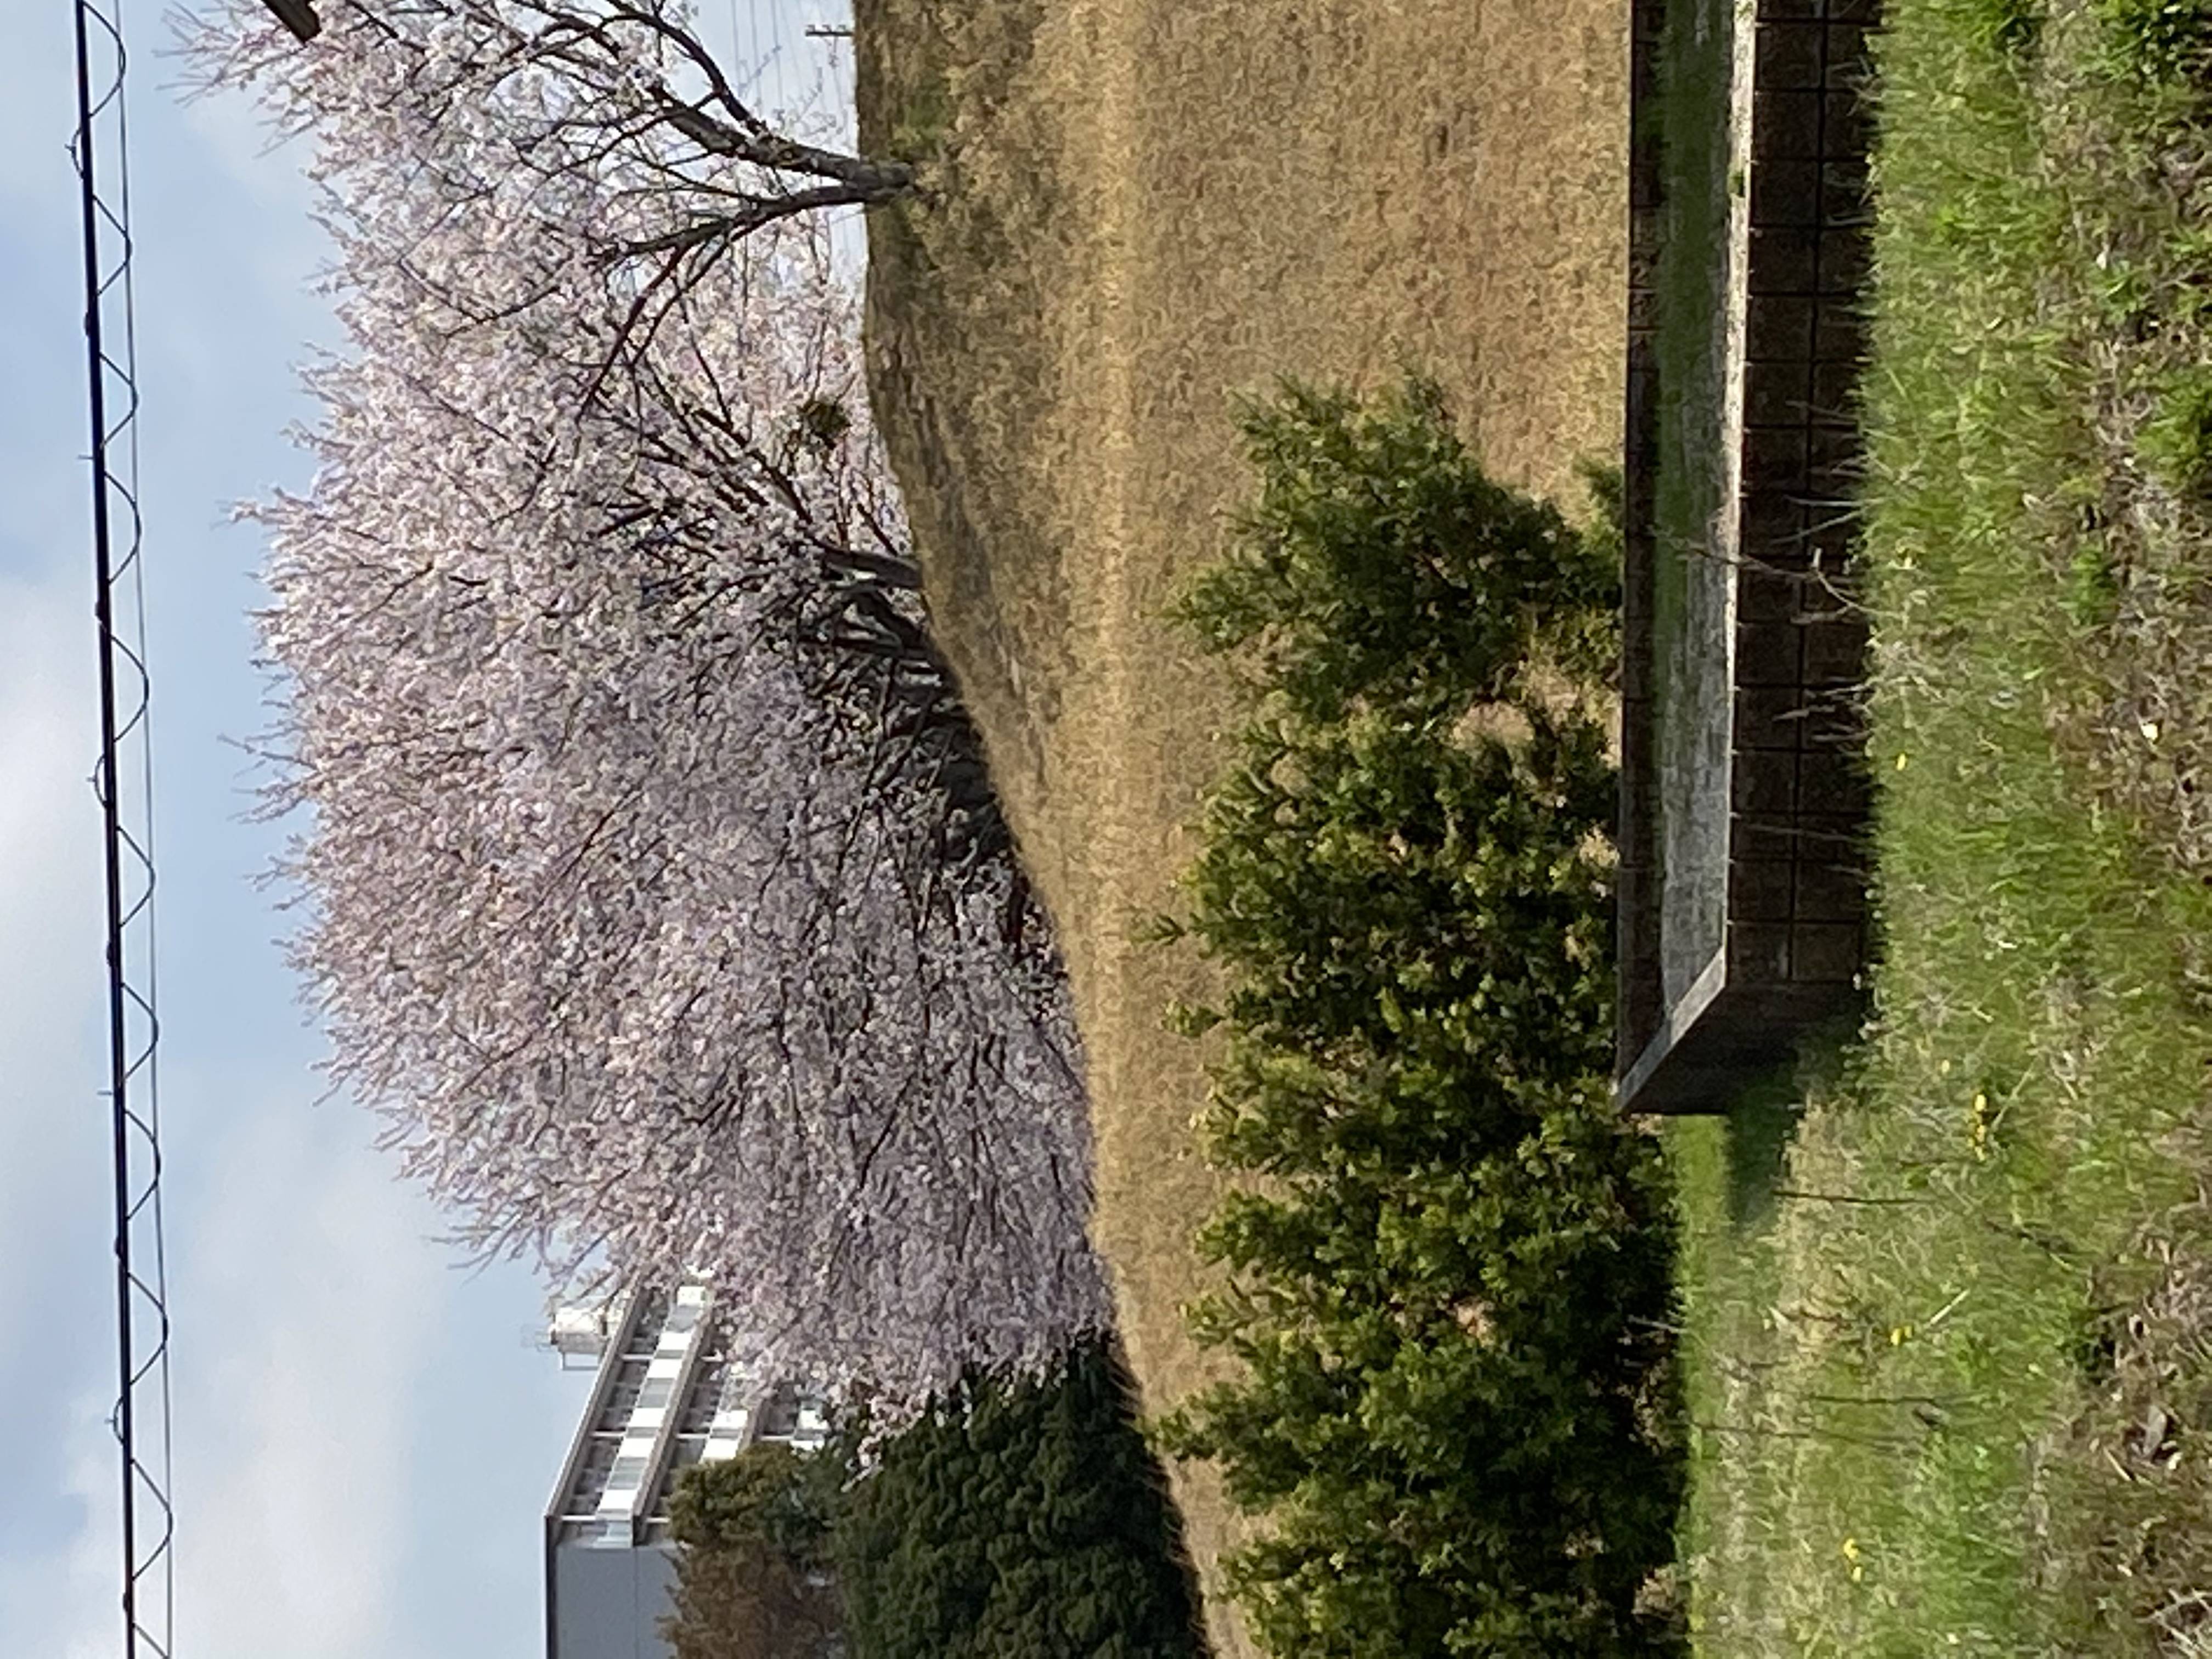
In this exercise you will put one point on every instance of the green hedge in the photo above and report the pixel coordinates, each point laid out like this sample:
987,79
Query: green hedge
1017,1520
1448,1277
751,1580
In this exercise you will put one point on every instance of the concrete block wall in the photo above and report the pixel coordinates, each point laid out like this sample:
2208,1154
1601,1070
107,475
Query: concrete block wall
1635,838
1796,789
1799,796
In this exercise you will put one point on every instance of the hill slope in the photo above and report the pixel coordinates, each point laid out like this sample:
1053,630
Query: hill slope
1139,207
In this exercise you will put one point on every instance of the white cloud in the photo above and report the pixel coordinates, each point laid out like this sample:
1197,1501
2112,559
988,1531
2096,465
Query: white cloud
36,110
49,906
52,1121
316,1305
90,1570
312,1347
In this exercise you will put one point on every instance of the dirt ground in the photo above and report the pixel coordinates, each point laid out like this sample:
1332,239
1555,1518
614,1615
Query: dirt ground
1139,208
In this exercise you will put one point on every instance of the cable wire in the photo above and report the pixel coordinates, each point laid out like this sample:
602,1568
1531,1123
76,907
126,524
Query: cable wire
142,1417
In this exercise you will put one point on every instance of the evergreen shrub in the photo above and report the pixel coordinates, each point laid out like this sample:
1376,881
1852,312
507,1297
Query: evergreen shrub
1448,1259
1019,1519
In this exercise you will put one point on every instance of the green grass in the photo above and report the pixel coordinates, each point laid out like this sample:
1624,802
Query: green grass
1948,1322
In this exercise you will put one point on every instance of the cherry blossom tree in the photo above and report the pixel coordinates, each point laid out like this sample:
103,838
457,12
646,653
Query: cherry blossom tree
628,88
654,889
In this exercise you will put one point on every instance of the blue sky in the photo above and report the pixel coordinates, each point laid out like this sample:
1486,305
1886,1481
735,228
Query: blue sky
365,1432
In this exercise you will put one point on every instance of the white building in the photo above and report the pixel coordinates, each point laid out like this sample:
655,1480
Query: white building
665,1397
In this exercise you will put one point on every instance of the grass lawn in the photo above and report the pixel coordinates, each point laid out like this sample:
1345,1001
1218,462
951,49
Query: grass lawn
1948,1294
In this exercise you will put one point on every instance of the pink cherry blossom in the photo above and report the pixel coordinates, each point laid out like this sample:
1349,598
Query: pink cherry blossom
651,884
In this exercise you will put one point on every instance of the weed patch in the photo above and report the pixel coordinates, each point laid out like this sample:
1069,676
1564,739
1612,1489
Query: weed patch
1945,1379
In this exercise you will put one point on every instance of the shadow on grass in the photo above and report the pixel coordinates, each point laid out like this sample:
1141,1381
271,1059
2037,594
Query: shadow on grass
1759,1126
1763,1120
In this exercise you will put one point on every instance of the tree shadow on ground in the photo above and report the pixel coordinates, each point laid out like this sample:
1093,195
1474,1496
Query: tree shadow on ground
1762,1121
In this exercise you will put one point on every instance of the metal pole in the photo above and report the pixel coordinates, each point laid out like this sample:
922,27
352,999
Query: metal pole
103,613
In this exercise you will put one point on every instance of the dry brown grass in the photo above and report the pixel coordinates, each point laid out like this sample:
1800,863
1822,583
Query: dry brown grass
1139,207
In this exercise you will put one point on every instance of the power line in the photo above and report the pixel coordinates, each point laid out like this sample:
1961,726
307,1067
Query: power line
141,1416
